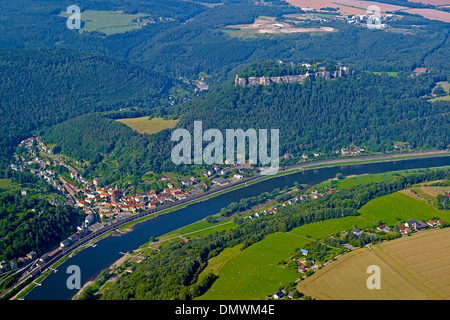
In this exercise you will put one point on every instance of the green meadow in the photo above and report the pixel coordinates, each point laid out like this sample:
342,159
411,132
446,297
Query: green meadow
253,273
146,125
323,229
108,22
391,74
398,207
196,229
6,184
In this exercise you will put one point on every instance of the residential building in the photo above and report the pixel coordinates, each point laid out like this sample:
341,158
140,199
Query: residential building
411,223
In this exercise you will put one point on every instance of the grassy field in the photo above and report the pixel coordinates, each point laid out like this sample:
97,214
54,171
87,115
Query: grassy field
108,22
216,264
391,74
150,126
416,267
323,229
198,226
253,273
353,181
6,184
444,98
397,207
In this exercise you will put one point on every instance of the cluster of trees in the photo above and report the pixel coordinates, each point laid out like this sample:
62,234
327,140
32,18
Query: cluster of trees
173,271
316,250
443,202
352,239
31,223
247,203
113,150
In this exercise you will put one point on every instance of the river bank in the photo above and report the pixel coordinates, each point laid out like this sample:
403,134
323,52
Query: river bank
202,207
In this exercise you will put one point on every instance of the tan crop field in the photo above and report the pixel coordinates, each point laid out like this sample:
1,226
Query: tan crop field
146,125
360,7
431,14
345,6
415,267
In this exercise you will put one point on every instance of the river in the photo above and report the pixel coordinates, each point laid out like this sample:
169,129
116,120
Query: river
92,260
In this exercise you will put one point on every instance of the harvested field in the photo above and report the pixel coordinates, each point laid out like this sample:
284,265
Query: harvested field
431,14
360,7
345,6
416,267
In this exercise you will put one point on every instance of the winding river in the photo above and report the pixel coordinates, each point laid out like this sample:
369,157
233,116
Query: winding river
92,260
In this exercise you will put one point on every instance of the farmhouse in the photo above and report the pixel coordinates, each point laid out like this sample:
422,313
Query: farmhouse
278,295
304,252
420,225
357,232
411,223
301,267
418,71
384,228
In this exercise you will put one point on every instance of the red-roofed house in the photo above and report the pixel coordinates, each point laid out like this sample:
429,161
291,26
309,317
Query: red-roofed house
420,70
431,223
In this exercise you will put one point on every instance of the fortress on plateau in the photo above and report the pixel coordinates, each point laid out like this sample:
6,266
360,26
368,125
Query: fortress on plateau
253,81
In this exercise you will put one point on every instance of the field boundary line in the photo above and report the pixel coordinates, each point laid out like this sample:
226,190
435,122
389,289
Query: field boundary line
397,272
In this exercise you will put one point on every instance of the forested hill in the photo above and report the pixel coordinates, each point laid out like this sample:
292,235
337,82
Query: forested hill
114,151
39,88
366,110
325,115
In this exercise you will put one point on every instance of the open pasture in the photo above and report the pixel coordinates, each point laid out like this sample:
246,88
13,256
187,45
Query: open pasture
253,273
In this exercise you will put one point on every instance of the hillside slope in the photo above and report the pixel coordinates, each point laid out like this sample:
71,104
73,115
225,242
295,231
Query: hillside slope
40,88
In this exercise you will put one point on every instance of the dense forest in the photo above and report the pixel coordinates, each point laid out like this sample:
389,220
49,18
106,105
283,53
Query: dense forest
326,115
40,88
33,222
195,42
112,149
365,110
172,272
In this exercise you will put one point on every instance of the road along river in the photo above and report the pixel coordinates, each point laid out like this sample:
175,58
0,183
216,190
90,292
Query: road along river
92,260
